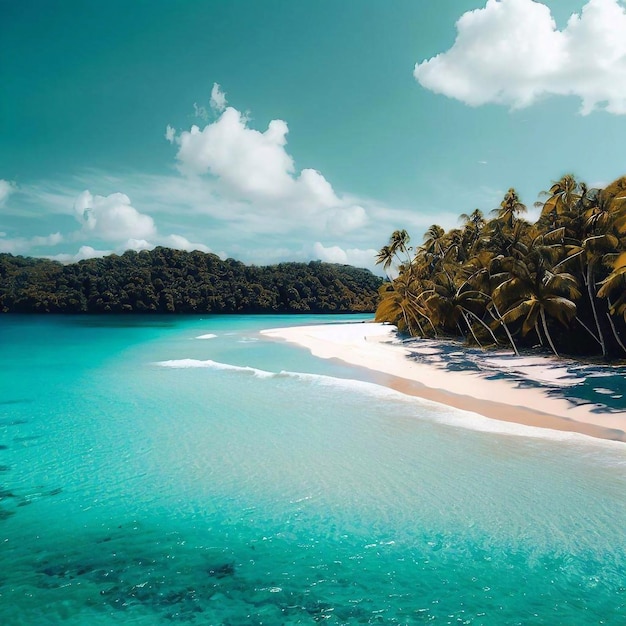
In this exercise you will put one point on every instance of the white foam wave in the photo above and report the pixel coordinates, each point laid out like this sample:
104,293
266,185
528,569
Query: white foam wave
351,384
207,336
215,365
450,416
436,411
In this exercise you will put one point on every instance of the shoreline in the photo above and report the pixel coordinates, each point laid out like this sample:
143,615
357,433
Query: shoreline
373,346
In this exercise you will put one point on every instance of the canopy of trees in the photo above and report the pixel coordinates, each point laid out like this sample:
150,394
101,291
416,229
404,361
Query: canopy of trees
560,282
172,281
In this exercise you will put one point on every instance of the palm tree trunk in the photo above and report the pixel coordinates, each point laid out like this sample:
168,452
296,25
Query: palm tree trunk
615,333
592,298
483,324
588,329
545,329
420,327
470,327
506,328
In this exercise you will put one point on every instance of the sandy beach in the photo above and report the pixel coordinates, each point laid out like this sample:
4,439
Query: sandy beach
375,346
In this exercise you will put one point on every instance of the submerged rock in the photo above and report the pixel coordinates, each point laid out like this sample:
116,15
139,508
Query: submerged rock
5,514
221,571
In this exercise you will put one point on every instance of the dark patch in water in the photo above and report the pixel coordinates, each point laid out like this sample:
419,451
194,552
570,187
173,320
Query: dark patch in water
4,468
17,422
222,571
5,493
54,492
15,401
4,447
5,514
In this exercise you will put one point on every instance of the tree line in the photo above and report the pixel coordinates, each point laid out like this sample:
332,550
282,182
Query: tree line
172,281
502,281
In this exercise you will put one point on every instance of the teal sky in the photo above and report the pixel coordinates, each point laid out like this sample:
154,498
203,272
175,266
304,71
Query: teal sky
90,88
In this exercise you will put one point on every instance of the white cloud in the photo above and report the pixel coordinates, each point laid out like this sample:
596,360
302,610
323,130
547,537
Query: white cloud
254,169
53,239
218,98
349,256
84,252
512,53
20,245
112,218
6,189
137,245
170,133
181,243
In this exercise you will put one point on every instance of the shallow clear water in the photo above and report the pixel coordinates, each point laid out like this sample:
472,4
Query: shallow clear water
150,477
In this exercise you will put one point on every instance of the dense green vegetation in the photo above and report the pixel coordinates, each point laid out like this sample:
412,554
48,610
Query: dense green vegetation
560,282
171,281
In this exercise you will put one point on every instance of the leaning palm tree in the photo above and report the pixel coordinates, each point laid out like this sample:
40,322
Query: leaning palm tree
390,254
448,304
532,297
613,288
399,242
385,258
400,306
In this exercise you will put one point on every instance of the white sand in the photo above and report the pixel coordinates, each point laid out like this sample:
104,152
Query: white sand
374,346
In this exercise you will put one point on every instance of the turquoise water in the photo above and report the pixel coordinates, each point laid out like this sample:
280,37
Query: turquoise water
150,477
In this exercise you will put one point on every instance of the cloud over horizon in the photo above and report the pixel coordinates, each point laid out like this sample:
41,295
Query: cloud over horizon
511,53
255,168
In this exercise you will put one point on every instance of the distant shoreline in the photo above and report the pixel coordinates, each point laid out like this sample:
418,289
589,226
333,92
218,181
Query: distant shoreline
373,346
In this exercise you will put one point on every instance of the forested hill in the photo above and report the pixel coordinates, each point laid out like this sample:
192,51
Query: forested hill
171,281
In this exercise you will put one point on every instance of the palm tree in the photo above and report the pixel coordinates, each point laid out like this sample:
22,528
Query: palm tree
473,225
532,296
509,208
385,257
614,286
398,243
400,306
448,303
563,196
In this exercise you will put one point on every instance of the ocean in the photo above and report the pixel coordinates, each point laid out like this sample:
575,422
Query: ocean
163,470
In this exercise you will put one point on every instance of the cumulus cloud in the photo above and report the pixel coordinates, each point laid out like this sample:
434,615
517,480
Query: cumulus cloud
112,218
53,239
20,245
6,189
511,52
182,243
253,167
84,252
218,98
349,256
170,133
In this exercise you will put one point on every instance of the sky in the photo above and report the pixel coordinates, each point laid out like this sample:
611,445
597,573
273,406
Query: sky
274,130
